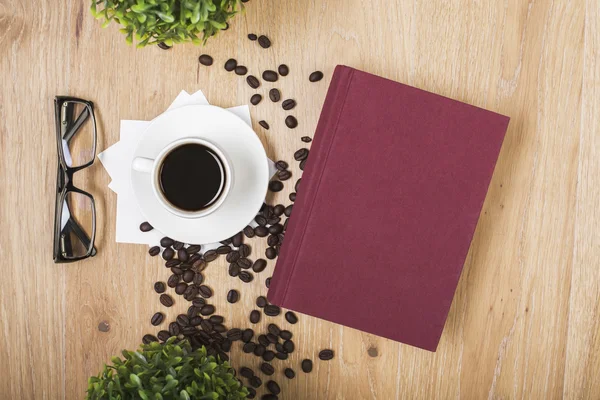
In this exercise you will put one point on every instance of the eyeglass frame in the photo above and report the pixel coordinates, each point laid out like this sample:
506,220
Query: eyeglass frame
64,180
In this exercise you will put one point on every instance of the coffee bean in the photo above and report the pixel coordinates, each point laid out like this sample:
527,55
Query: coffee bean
205,291
177,245
160,287
270,253
206,325
298,181
234,334
198,278
177,270
274,186
182,255
259,265
154,251
199,302
272,240
248,231
273,387
307,365
147,339
238,239
166,300
249,347
288,104
219,328
260,220
326,354
293,196
247,335
157,318
251,390
267,369
174,329
264,42
244,263
285,335
173,280
166,242
253,81
180,288
306,139
291,317
299,155
268,282
244,250
302,165
291,121
281,165
168,254
255,99
262,339
226,345
241,70
195,321
163,46
282,356
233,256
163,335
255,316
272,310
276,229
274,329
255,381
284,175
274,95
288,346
289,373
190,293
315,76
279,348
182,320
216,319
246,276
234,270
264,124
194,248
188,276
252,36
272,338
145,227
207,309
230,64
233,296
268,355
246,372
270,76
273,220
172,263
226,242
223,250
267,211
283,70
259,350
205,59
199,265
210,255
269,396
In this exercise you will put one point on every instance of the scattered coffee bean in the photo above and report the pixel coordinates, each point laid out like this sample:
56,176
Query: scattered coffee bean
298,181
188,276
283,70
251,390
199,302
289,346
253,81
234,334
174,329
230,64
149,339
264,42
271,253
166,242
291,317
315,76
252,36
195,321
198,278
226,345
182,320
180,288
274,95
272,310
262,339
168,254
173,280
276,229
207,309
244,250
210,255
190,293
157,318
182,255
145,227
233,296
206,325
285,335
247,335
241,70
289,373
233,256
255,99
166,300
288,210
270,76
199,265
246,372
249,347
244,263
281,356
205,59
248,231
307,365
205,291
284,175
326,354
234,270
299,155
238,239
219,328
259,350
254,316
160,287
163,335
291,121
226,242
293,196
259,265
268,355
274,186
164,46
302,165
223,250
176,270
273,387
255,381
267,369
177,245
281,165
274,329
246,276
216,319
273,220
194,248
264,124
273,240
154,251
268,282
288,104
306,139
272,338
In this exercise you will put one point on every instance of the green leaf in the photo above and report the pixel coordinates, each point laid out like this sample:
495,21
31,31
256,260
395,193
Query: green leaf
135,380
183,395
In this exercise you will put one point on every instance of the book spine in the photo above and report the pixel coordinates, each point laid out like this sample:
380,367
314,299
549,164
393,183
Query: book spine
322,141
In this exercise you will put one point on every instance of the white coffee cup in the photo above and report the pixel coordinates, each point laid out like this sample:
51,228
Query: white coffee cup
153,168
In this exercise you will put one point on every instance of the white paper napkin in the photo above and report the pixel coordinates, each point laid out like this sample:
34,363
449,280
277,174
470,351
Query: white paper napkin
117,161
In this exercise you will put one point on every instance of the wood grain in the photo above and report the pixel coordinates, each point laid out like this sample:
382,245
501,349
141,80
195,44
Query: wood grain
525,322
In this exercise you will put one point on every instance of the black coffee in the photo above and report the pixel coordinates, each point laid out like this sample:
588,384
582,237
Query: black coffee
192,177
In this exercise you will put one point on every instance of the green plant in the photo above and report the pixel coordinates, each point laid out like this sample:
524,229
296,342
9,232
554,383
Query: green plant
167,21
166,371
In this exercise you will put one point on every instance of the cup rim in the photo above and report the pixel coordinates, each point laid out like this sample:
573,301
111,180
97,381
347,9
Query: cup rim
156,179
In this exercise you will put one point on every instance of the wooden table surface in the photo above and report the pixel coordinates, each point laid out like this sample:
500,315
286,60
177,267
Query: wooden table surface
525,321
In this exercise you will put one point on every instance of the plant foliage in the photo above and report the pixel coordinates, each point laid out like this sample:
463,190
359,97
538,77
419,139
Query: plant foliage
167,21
164,372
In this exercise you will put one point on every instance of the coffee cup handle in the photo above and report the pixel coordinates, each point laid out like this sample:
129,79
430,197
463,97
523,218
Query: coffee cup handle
142,164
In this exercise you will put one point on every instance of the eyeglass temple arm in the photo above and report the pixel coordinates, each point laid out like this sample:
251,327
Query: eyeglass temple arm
74,227
76,125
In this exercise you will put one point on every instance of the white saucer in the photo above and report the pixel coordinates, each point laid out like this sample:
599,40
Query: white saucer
248,161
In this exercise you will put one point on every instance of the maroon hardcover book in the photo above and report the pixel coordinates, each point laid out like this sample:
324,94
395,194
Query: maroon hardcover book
387,207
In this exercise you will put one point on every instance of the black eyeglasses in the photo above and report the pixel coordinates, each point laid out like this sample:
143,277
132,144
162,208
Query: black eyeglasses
75,212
